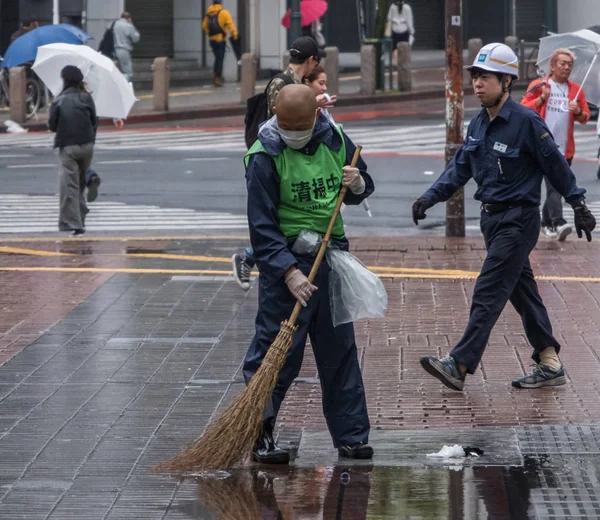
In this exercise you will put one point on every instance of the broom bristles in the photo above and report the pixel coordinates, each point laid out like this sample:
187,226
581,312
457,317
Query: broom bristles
232,498
228,439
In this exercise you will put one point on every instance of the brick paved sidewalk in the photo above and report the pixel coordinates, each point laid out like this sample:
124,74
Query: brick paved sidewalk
131,350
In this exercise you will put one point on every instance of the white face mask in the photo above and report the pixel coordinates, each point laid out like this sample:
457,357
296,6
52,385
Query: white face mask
296,139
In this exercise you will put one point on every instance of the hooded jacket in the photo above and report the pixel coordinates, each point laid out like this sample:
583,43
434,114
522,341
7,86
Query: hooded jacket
225,22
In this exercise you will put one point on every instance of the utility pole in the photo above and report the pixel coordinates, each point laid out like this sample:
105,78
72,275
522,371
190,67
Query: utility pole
296,21
55,12
455,207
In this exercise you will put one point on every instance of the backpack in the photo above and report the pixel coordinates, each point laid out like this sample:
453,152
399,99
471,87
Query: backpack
213,24
107,44
257,110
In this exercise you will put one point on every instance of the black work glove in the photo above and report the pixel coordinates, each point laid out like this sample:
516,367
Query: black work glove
419,208
584,222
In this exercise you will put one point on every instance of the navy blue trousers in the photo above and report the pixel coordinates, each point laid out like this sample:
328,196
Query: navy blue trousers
506,275
344,403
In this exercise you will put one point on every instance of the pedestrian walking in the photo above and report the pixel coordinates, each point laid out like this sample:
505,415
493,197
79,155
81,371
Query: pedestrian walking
315,31
294,173
125,36
400,25
560,102
507,151
305,56
26,26
73,118
218,24
317,80
598,134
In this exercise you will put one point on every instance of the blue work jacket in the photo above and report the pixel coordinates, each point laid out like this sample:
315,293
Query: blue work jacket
508,158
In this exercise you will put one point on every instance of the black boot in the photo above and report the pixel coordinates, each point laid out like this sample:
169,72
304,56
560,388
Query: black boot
356,451
266,451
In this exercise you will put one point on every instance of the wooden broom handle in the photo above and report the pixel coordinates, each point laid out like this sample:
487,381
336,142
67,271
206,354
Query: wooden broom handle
325,242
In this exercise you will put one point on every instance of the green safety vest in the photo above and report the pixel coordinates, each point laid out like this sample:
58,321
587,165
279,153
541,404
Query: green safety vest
309,188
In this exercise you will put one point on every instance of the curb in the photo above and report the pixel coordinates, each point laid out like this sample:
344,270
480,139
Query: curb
187,113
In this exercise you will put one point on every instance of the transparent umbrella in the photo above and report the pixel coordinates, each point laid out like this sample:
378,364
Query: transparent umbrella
585,45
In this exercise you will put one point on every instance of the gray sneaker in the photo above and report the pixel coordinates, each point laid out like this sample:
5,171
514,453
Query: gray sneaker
541,376
446,370
562,232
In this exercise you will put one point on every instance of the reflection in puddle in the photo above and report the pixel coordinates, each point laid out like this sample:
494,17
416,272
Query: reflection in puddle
366,492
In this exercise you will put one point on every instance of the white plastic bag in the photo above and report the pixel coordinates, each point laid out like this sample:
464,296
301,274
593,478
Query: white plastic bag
354,291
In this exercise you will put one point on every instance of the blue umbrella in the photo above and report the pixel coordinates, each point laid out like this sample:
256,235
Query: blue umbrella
24,48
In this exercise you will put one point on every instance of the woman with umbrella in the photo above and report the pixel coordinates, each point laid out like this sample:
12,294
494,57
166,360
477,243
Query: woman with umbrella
73,119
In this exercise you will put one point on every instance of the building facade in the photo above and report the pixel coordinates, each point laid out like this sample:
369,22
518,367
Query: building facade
173,27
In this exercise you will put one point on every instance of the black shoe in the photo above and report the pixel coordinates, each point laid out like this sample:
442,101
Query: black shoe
92,187
241,271
266,451
78,232
357,451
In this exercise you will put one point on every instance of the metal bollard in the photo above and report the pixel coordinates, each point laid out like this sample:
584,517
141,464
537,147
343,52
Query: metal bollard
18,104
404,67
512,42
248,86
160,84
332,69
367,70
474,46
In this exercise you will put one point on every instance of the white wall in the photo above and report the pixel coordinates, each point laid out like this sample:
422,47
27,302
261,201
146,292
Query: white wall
577,14
273,36
187,29
99,14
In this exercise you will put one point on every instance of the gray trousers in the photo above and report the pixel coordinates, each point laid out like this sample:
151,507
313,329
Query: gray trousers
552,212
124,59
74,162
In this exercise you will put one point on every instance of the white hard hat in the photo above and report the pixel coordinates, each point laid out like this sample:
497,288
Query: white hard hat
497,57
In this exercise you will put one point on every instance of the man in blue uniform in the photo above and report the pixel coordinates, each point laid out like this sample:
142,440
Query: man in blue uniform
294,173
508,151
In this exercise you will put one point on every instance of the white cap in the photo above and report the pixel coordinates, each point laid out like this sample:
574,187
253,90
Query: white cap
497,57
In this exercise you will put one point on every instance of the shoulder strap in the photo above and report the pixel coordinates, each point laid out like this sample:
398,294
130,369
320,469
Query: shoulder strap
281,75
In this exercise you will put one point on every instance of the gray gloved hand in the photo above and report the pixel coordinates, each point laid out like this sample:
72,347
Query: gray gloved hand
299,286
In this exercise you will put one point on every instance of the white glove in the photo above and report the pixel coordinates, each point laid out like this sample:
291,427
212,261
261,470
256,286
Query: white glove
353,180
411,40
299,286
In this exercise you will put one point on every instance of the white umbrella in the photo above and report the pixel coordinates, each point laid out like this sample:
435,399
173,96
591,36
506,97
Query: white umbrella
585,45
112,93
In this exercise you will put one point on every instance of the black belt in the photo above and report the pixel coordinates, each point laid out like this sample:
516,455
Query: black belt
497,207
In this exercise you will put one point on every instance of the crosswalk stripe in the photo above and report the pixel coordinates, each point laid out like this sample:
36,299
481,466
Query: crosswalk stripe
39,214
398,140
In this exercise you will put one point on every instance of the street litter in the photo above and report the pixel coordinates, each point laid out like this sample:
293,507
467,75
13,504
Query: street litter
14,127
456,452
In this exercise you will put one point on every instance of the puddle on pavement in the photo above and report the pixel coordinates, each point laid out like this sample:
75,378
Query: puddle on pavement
366,493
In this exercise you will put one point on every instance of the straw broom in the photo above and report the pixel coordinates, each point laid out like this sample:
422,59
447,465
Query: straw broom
230,438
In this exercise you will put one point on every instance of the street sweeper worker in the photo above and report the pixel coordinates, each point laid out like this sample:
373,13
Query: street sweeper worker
294,173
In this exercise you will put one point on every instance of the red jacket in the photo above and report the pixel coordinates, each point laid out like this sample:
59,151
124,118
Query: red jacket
535,91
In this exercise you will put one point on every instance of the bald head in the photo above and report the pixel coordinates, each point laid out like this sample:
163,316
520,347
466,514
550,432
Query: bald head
296,107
